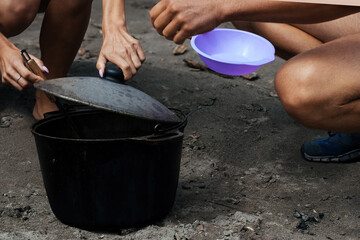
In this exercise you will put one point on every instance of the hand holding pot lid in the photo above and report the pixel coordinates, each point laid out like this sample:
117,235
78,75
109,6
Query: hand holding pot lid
118,47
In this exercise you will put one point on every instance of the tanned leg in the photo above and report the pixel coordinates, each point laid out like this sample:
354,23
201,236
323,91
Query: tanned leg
320,85
64,25
17,15
320,88
288,40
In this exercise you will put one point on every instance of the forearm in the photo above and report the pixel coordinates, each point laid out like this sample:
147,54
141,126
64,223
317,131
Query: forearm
274,11
5,43
113,16
118,47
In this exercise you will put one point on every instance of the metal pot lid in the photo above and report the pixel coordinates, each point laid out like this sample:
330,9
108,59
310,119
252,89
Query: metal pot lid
108,95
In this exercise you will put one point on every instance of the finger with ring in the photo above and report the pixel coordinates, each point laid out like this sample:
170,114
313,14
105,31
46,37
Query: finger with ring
17,80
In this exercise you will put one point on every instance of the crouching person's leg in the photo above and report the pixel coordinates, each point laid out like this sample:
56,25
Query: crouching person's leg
64,25
287,39
320,88
17,15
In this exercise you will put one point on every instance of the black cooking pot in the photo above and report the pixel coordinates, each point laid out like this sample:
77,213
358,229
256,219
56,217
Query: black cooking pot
106,171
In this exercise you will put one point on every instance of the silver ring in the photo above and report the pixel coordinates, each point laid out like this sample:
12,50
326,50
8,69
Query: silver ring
17,80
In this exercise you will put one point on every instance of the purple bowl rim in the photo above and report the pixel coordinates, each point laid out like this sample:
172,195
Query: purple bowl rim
253,63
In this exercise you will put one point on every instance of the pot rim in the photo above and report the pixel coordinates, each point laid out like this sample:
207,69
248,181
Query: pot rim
169,133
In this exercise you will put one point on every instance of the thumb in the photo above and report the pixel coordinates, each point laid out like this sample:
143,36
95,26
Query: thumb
40,63
101,64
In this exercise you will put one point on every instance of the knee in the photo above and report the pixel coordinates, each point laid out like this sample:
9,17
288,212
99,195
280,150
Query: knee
299,93
18,15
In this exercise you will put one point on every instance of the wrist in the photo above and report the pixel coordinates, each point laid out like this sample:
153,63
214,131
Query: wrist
224,11
110,28
113,16
5,43
241,10
220,11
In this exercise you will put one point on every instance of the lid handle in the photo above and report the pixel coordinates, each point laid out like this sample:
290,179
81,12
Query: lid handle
114,75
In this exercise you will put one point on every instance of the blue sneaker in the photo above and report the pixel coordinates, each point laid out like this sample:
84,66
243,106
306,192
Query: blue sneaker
338,147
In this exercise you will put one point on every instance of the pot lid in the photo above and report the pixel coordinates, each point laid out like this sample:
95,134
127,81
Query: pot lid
108,95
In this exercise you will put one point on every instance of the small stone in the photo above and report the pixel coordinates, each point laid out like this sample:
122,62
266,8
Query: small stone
176,236
305,218
314,219
232,200
296,214
228,233
302,225
200,228
5,122
200,185
273,94
188,225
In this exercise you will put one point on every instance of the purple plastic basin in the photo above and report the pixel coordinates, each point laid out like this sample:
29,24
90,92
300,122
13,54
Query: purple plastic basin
233,52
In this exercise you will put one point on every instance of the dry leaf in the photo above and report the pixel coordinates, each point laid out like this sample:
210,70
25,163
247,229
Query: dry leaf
250,76
200,228
82,51
193,64
273,94
248,228
179,49
203,67
194,136
137,37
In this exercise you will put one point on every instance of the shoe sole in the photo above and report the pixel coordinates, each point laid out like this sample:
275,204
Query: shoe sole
346,157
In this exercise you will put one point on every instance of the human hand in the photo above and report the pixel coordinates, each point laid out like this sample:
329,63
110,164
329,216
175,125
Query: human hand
178,20
13,70
122,49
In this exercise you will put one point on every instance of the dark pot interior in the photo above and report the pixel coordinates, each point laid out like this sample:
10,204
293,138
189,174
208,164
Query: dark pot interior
94,124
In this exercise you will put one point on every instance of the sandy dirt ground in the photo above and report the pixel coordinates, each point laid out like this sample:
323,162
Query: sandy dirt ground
242,175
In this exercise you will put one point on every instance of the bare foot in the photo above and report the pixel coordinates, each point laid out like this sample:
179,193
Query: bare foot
43,105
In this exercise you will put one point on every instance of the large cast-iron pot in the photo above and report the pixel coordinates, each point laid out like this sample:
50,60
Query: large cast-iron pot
106,171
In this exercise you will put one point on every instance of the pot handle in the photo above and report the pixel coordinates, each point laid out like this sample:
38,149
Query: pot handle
113,74
67,109
160,128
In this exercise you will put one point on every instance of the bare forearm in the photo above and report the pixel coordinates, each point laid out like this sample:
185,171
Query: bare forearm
274,11
4,42
118,47
113,15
